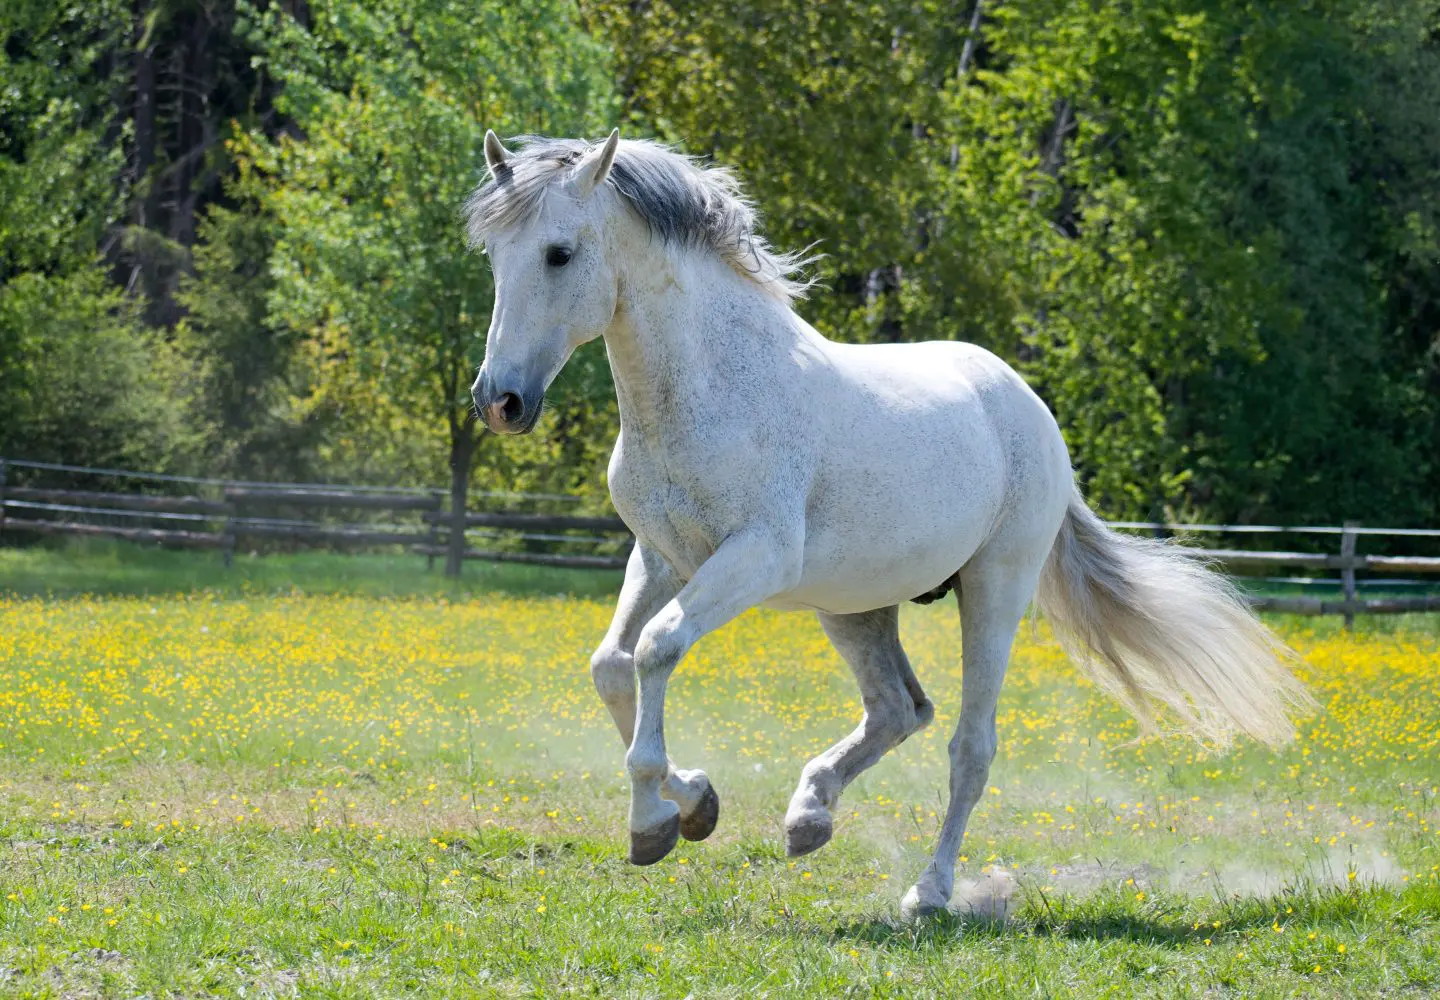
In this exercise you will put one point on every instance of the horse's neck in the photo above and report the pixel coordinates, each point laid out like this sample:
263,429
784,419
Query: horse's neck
690,340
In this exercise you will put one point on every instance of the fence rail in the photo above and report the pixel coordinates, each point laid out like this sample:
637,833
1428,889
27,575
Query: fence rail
1312,560
235,495
227,514
536,522
219,514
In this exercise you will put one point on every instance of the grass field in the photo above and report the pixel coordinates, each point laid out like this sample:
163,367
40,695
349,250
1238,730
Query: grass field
342,776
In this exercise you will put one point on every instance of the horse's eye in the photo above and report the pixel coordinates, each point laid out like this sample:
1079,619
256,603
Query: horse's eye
557,256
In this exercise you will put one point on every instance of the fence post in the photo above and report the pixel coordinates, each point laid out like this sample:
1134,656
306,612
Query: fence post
437,504
228,530
1347,571
2,494
455,559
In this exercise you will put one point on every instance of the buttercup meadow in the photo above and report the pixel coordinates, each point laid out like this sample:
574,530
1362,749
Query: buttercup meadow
244,790
350,348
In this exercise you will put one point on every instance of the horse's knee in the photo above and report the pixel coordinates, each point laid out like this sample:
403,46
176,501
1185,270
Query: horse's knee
613,672
971,755
901,725
661,644
924,707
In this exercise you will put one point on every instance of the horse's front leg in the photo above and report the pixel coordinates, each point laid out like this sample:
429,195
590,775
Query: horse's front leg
747,568
649,584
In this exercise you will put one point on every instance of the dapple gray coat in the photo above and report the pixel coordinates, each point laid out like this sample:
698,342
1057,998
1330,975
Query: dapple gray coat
758,463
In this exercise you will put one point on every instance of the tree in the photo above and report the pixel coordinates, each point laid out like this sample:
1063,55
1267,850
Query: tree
1214,194
824,110
185,78
81,378
1198,227
392,100
255,391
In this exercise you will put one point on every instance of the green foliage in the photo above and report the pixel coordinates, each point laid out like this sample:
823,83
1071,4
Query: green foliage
84,381
81,378
252,384
1207,232
57,170
1206,262
370,270
1201,228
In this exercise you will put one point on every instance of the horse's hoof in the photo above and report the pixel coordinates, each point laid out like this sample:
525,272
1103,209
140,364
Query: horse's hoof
700,822
649,846
810,833
920,903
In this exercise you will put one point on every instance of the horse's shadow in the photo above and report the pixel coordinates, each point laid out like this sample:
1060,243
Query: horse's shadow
1104,919
948,928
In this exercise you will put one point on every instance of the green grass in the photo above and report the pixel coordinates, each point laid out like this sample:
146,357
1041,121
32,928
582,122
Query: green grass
70,567
342,776
505,915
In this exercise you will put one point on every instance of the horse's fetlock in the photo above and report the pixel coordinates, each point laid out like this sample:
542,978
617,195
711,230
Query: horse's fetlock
822,783
646,766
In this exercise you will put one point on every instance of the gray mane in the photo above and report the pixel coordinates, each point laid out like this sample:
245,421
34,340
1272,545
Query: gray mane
685,203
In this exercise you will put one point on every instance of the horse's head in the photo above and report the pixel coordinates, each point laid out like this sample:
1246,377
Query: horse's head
543,229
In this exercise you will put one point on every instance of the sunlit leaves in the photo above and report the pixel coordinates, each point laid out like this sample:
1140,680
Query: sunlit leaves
391,103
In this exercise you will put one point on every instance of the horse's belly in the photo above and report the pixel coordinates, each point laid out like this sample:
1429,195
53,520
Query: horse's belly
890,521
842,578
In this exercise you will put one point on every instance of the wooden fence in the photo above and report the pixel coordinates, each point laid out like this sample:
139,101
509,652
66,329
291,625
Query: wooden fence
193,512
1347,561
227,515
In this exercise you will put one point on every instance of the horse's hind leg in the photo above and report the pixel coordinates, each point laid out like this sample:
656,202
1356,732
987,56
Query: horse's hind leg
995,588
895,707
648,586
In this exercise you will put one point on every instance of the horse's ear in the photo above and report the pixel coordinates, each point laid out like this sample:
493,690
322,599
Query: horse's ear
593,170
495,154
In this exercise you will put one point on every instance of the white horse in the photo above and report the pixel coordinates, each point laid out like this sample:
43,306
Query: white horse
758,463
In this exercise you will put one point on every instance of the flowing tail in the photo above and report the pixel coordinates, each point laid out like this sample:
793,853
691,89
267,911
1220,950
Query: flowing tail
1151,625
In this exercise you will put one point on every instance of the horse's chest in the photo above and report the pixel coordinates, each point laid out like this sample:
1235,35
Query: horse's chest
677,517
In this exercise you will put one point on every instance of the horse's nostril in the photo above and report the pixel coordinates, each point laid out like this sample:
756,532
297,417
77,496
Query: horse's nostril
511,408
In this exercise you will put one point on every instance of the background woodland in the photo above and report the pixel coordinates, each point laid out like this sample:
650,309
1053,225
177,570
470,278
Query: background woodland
1207,232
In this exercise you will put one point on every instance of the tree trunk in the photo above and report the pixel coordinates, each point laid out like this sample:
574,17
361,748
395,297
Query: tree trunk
967,54
143,112
462,451
144,107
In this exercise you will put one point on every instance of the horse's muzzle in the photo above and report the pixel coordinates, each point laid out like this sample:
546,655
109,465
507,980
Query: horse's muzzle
506,411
